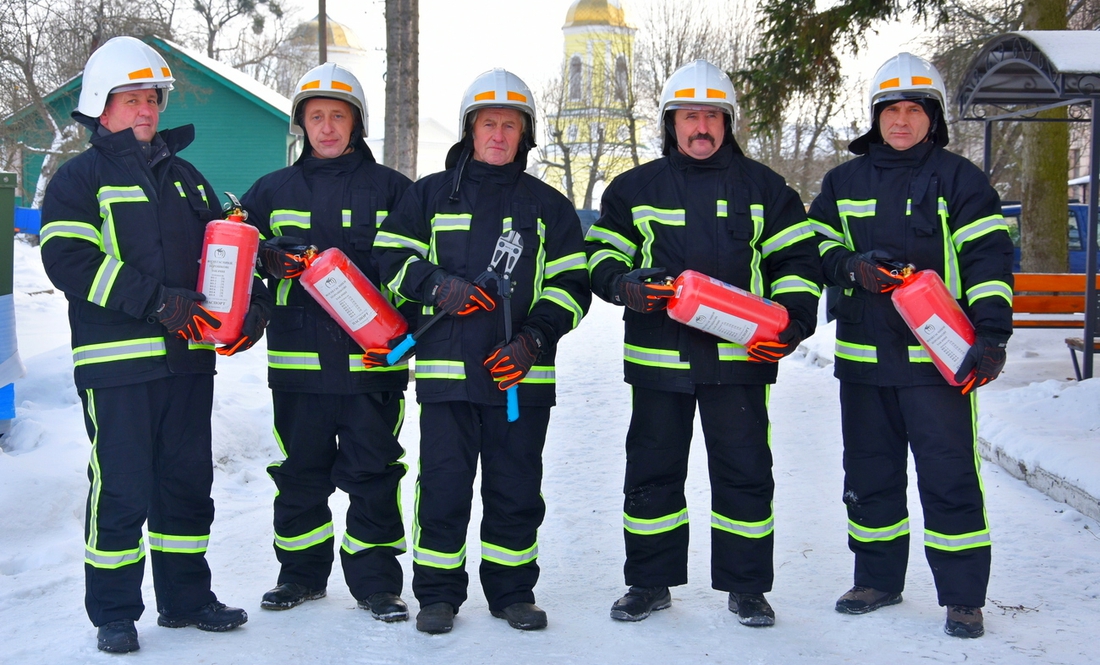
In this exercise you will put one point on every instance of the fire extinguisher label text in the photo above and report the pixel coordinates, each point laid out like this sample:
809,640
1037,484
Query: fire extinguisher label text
727,326
219,275
348,303
942,341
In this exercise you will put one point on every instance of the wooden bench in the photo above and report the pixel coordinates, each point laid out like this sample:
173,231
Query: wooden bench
1052,300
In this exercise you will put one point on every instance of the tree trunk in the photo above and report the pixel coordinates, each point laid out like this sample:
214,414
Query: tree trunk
1044,213
402,84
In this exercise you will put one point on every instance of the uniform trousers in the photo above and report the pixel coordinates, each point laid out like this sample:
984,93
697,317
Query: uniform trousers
879,425
150,461
452,437
350,442
735,428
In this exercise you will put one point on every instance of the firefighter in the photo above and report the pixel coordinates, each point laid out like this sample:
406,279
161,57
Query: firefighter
907,200
498,332
703,206
336,421
122,235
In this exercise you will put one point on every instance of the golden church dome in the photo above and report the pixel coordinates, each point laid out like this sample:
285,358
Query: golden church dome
339,35
595,12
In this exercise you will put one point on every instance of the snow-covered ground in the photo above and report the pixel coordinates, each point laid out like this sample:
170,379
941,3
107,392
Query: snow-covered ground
1043,604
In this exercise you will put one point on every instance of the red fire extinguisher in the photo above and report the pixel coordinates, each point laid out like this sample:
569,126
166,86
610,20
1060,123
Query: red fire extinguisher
935,319
226,266
347,295
724,310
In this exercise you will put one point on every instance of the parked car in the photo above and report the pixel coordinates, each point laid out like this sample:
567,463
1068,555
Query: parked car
1078,228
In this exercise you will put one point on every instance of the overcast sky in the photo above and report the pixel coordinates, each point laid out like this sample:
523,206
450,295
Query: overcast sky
459,39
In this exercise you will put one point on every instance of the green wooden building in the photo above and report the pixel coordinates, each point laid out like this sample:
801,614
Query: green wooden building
240,125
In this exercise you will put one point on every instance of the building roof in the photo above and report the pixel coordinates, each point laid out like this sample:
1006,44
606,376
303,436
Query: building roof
339,35
595,12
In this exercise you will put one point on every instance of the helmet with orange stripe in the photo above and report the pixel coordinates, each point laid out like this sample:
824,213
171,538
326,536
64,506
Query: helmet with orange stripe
694,85
906,78
499,88
120,65
332,81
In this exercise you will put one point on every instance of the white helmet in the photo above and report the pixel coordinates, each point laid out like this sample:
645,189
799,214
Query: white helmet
328,80
498,88
905,77
695,84
122,64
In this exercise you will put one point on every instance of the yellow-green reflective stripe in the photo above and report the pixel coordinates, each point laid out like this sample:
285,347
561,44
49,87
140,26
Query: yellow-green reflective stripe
563,299
723,208
199,346
393,240
795,284
69,229
104,279
394,284
293,360
282,291
179,188
507,557
860,353
744,529
107,197
756,282
345,218
306,540
826,230
652,527
296,218
728,351
603,254
987,289
963,541
671,217
506,225
869,534
951,272
433,559
787,237
178,544
619,242
917,354
848,207
91,354
354,546
202,193
669,359
558,266
440,369
114,559
97,475
975,230
355,364
380,216
540,374
826,245
446,222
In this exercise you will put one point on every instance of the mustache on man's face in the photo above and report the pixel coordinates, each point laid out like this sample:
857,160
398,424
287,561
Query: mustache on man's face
700,137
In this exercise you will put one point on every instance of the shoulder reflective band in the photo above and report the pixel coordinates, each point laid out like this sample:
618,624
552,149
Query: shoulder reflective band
866,534
178,544
657,525
355,546
745,529
917,354
668,359
130,349
281,219
859,353
441,369
306,540
108,559
963,541
434,559
507,557
293,360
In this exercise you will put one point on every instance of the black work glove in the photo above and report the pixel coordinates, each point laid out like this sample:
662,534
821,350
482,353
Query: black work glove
255,321
986,357
772,352
180,312
632,289
509,363
456,296
864,270
283,257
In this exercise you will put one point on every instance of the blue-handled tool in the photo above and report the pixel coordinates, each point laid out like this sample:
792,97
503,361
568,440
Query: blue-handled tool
509,247
399,351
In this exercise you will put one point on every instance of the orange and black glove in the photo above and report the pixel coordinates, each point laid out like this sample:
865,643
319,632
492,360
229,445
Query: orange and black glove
255,322
283,257
180,312
772,352
456,296
986,358
376,356
633,290
509,363
865,271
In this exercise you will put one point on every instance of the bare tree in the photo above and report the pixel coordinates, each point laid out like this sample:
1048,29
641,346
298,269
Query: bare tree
279,56
402,85
216,15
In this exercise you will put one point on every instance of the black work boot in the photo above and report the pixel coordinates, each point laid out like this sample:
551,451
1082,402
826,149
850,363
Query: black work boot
640,601
214,617
288,595
522,616
118,637
385,606
436,618
864,599
963,621
752,609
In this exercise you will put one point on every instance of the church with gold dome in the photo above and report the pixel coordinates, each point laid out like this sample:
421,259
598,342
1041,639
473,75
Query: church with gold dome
592,124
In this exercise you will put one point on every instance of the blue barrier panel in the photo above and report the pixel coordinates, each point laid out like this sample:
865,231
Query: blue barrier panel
28,220
7,402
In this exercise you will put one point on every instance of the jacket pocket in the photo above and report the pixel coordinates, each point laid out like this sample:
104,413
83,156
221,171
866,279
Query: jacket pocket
847,309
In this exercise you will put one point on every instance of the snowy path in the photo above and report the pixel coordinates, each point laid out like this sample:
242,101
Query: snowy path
1042,599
